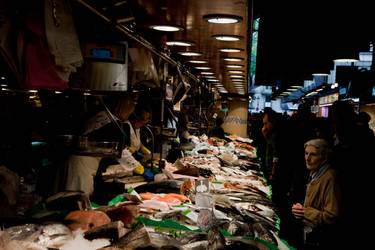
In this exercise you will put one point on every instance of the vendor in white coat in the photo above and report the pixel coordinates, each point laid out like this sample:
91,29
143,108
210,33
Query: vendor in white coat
132,140
82,169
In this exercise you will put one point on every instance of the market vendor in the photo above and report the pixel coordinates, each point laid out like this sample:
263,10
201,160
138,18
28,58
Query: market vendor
320,212
81,169
132,140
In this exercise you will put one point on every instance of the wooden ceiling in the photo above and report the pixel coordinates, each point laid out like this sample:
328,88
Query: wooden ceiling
188,14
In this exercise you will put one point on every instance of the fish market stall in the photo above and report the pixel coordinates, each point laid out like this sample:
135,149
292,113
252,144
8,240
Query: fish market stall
214,197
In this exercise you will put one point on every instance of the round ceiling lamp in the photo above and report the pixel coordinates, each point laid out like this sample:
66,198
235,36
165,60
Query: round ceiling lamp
198,61
236,71
234,66
230,50
222,18
180,43
167,28
190,53
203,68
227,38
236,76
233,59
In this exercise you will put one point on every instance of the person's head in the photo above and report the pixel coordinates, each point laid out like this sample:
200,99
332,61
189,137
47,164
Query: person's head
304,110
363,119
124,106
269,120
316,154
342,115
141,116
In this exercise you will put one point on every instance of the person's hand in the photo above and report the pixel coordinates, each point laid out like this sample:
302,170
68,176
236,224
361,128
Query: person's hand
149,176
298,211
138,155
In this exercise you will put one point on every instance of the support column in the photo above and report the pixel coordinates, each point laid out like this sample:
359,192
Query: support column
236,120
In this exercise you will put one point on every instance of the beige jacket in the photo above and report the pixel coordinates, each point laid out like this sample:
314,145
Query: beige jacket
323,200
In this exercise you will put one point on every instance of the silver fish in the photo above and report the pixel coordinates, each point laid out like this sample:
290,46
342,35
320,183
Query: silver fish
262,233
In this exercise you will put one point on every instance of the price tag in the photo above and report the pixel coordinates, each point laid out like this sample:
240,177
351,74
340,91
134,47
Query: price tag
202,186
205,219
204,200
191,215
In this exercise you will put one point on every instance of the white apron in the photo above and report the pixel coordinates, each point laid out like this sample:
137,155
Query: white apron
135,138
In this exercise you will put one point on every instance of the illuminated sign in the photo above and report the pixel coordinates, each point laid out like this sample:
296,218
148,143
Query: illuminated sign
328,99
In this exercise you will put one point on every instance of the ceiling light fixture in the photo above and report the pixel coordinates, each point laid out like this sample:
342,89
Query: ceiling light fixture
168,28
233,59
346,60
222,18
203,68
236,76
213,80
198,61
209,76
230,50
236,71
190,53
207,73
234,66
180,43
320,74
227,38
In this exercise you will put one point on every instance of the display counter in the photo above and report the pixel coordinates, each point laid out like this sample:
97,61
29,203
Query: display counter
214,197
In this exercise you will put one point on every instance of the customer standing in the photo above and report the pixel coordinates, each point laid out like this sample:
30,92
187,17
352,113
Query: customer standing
321,211
272,137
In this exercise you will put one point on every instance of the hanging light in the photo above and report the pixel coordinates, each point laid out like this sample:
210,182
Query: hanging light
167,28
227,38
222,18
